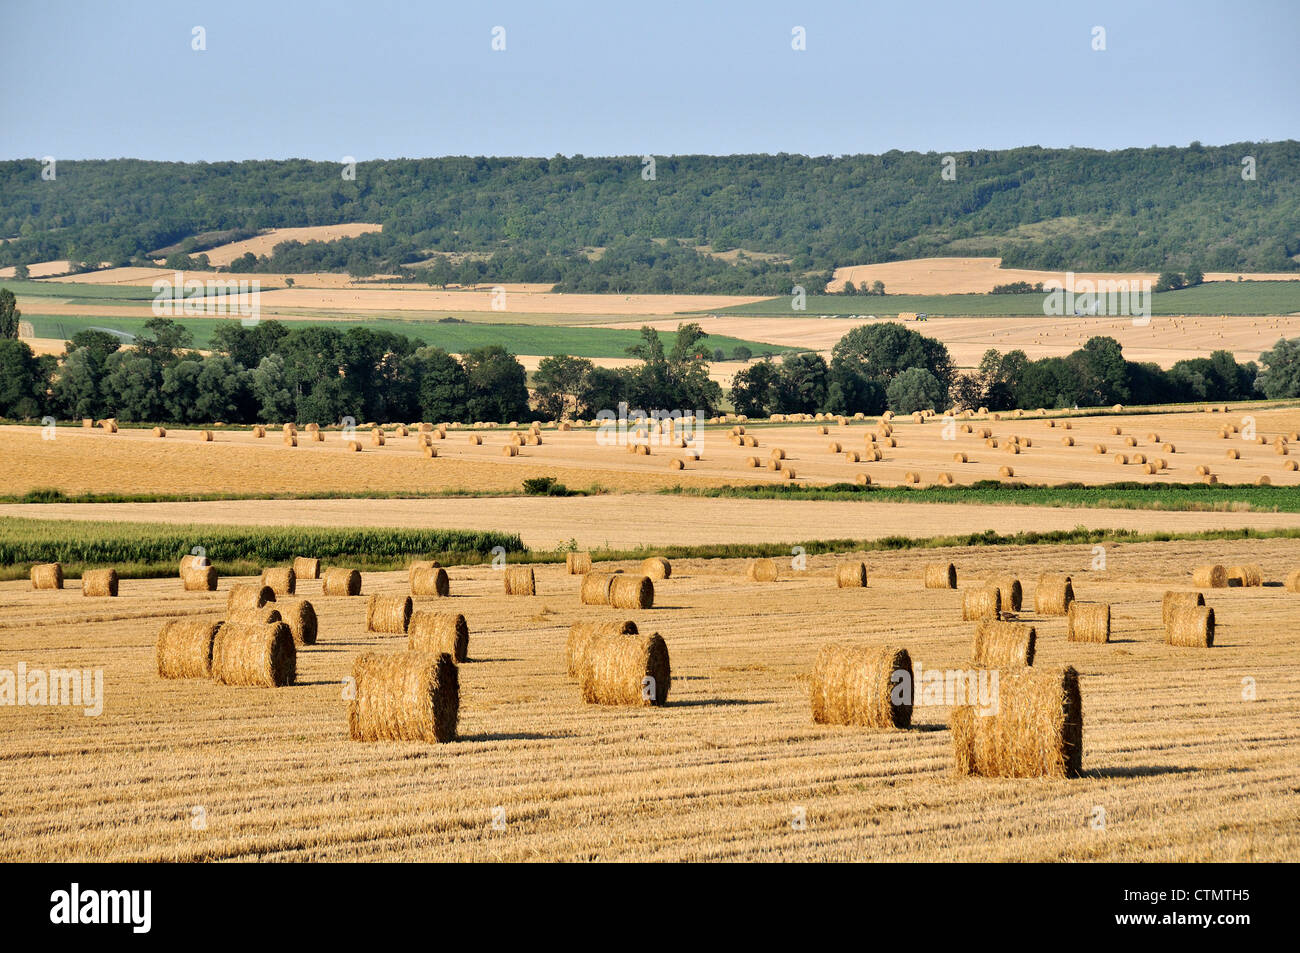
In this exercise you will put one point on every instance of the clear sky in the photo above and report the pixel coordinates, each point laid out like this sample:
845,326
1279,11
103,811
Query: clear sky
381,79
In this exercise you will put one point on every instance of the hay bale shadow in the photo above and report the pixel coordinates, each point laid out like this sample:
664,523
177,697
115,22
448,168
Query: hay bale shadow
1141,771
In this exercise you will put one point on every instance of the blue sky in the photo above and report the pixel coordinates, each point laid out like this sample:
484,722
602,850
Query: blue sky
386,79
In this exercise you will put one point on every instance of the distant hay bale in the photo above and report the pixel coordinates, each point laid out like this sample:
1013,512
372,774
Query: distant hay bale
1012,447
254,654
47,576
1121,458
404,696
748,442
341,582
577,564
1099,448
1115,431
631,592
205,436
1067,441
1191,627
851,574
306,567
354,446
1130,441
1202,470
1053,594
430,451
959,458
519,581
982,603
1247,575
945,479
853,685
656,567
199,579
290,440
1013,595
300,616
439,632
430,581
676,464
851,456
259,432
1291,465
1037,730
761,570
99,582
863,479
875,455
376,437
184,648
753,462
1006,472
160,432
1263,480
1150,468
475,440
1234,454
940,576
1212,576
1003,644
510,450
282,581
834,447
390,614
1174,600
1167,448
777,453
618,669
1088,622
248,595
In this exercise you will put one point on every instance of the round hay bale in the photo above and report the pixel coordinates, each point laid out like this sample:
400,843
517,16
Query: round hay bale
853,685
1167,448
851,456
1191,627
300,616
431,451
1006,472
624,669
577,564
1099,448
1248,575
875,456
184,648
1149,468
1263,480
99,582
475,440
1153,438
676,464
1234,454
1211,576
1115,431
945,479
519,581
863,479
1053,594
353,446
282,581
1003,644
851,574
510,450
439,632
254,654
1051,423
290,440
205,436
823,431
631,592
391,614
248,595
754,462
985,433
960,458
1013,596
1121,458
982,603
47,576
1202,470
404,696
1036,730
890,442
1067,441
259,432
1174,600
1067,425
966,428
911,476
761,570
266,614
313,427
1025,441
656,567
594,588
834,447
341,582
306,567
940,576
1012,447
199,579
748,442
1088,622
788,473
1291,465
376,437
1281,449
1130,441
773,464
160,432
430,581
642,449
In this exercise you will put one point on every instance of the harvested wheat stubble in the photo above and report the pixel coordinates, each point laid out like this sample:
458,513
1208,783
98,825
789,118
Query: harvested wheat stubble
184,648
99,582
341,582
1088,622
577,564
1053,594
439,632
940,576
851,574
47,576
404,696
305,567
1174,600
1003,644
982,603
248,595
254,654
1013,596
581,633
430,581
283,581
199,579
1248,575
761,570
520,581
853,685
656,567
1191,627
390,614
616,669
1036,731
1210,577
300,616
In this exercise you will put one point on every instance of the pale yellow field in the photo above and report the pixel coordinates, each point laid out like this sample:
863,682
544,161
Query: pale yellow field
265,243
1181,764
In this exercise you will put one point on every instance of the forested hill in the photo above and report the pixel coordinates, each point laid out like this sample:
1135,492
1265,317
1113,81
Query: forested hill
601,224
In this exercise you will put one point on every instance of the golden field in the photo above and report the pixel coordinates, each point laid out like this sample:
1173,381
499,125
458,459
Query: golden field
1182,765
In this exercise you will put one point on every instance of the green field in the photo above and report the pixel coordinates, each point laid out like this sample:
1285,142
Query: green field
1215,298
456,338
